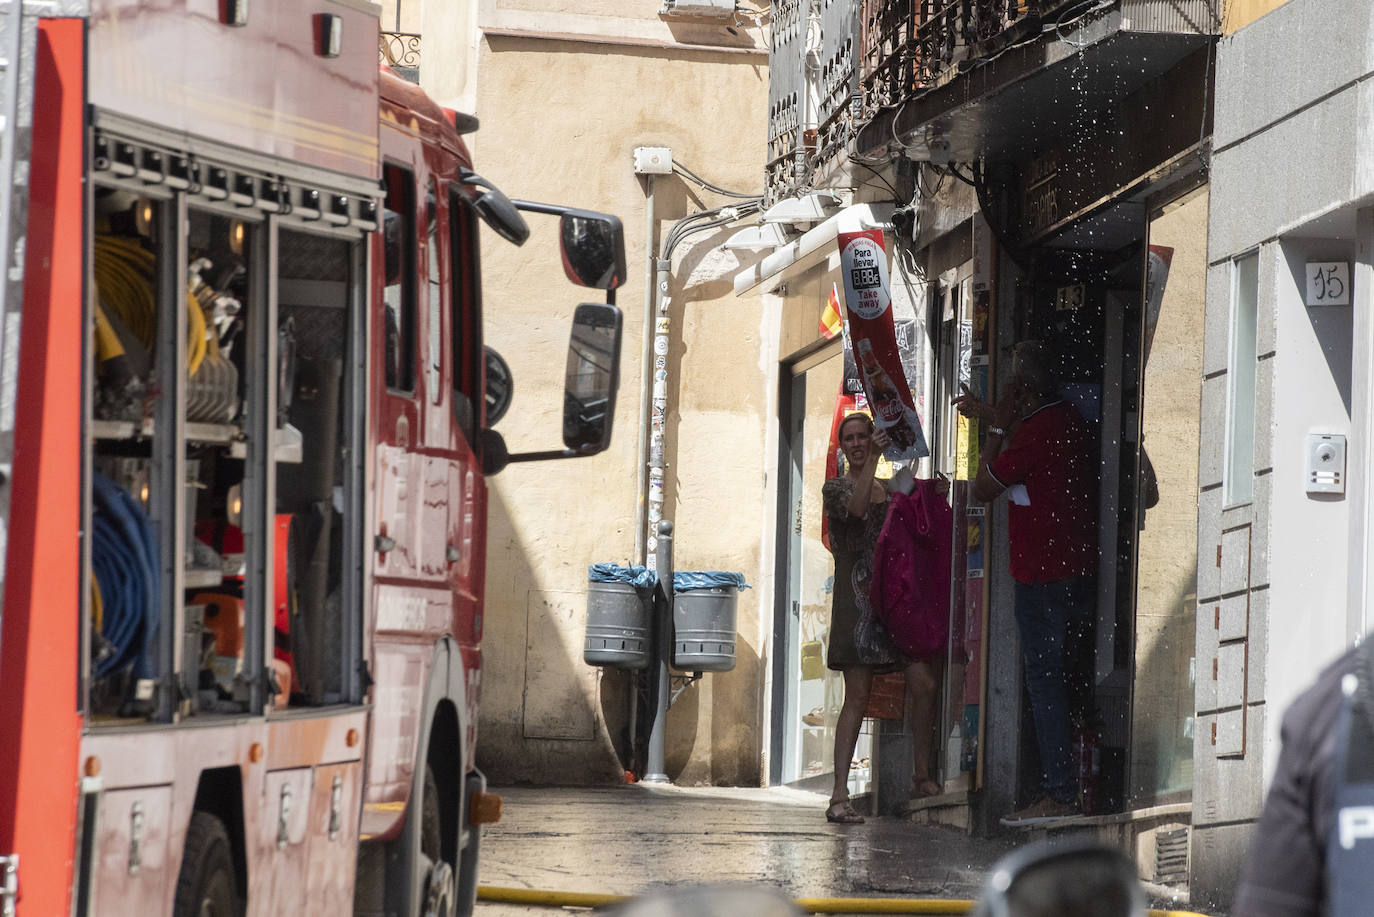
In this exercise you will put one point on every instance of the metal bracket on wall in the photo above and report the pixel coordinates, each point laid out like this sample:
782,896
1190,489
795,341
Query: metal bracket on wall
680,683
9,884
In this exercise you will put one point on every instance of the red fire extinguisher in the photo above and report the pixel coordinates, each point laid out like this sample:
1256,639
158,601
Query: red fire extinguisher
1088,755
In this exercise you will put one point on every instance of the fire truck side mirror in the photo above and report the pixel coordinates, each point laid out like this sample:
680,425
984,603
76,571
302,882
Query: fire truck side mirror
589,386
591,379
495,209
593,247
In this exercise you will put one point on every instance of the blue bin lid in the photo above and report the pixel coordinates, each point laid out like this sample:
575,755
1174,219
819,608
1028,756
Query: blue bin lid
687,580
638,576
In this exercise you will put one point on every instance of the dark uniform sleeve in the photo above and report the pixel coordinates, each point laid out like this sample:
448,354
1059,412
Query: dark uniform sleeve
1283,874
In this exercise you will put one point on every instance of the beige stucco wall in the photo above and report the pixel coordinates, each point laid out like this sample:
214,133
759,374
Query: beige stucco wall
560,120
1241,13
1166,592
448,54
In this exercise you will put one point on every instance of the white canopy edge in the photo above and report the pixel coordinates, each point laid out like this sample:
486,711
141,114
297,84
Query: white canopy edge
808,249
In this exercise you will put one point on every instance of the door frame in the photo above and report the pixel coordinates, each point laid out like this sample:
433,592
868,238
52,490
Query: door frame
783,723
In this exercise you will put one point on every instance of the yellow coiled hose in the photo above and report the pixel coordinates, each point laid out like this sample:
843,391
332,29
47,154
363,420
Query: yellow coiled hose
195,334
124,276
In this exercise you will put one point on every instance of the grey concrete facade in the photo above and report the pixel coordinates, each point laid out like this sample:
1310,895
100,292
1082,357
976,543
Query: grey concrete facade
1291,168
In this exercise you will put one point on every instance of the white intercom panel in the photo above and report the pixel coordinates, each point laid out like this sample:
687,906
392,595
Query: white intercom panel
1325,463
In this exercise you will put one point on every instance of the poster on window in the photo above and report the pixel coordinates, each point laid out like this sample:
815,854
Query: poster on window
868,310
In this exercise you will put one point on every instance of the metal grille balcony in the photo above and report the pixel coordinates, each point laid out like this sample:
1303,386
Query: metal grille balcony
813,89
786,95
886,37
911,45
401,52
971,78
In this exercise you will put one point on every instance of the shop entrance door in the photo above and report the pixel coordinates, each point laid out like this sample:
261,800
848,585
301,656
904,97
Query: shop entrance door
807,695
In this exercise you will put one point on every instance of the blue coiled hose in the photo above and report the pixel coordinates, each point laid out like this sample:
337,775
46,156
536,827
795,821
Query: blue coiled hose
124,561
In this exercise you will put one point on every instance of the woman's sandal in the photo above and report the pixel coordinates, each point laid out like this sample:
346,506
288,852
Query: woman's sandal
924,788
843,813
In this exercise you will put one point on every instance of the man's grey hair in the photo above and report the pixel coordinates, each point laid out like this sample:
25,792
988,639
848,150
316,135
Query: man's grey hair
1033,366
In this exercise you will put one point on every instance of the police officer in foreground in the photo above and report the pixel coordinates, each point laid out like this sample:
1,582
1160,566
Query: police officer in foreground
1313,850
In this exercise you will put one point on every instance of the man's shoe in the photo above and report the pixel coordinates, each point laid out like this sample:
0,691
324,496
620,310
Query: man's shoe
1046,810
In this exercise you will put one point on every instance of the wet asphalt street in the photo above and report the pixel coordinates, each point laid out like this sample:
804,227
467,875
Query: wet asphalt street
627,840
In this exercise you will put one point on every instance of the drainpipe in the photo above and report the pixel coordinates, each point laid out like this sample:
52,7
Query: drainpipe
659,422
646,380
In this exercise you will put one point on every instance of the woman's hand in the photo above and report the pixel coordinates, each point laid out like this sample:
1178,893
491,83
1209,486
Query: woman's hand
878,445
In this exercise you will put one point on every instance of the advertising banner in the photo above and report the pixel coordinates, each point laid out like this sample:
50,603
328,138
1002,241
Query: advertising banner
868,308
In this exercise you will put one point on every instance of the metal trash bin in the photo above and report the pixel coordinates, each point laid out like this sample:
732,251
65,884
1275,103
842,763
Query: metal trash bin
704,629
618,617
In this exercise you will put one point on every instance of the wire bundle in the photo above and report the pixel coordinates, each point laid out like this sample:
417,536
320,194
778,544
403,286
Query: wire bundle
124,564
703,220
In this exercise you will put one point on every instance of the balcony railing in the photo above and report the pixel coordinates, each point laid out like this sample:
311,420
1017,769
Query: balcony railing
812,89
401,52
913,45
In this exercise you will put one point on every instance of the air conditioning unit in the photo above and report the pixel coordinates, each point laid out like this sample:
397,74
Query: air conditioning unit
702,9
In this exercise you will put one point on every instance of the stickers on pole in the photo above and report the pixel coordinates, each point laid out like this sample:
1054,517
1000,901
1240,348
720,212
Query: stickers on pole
868,303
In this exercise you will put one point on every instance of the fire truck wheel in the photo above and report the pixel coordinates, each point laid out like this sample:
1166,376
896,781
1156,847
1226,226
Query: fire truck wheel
206,886
439,891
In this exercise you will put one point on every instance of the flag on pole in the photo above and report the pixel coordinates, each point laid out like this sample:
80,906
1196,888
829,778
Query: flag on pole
831,322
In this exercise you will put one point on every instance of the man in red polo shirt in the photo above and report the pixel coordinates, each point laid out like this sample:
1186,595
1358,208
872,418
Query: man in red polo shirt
1037,453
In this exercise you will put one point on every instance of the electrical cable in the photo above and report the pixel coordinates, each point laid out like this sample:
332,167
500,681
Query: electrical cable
724,221
954,170
939,183
671,240
682,170
1071,17
706,219
1217,12
880,177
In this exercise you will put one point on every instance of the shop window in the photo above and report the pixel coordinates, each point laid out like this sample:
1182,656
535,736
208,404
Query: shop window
400,243
1239,468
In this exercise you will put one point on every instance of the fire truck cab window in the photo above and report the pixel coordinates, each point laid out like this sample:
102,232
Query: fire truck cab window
398,230
467,364
434,356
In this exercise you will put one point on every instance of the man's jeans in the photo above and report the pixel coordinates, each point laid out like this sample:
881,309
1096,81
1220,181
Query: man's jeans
1055,620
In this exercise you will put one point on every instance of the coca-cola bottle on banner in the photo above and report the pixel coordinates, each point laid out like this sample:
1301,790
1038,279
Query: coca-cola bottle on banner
868,308
889,414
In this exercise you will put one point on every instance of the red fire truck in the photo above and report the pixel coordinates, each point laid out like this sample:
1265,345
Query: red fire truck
240,650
